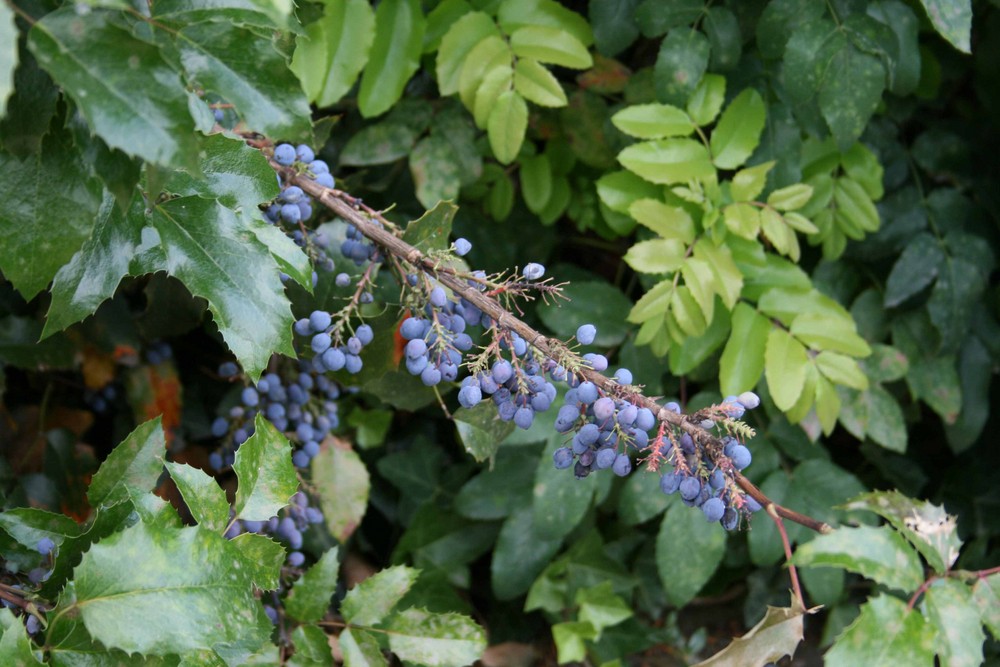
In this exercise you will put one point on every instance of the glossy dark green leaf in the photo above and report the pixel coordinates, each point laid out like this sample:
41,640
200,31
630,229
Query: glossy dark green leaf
876,414
203,496
436,173
432,230
886,632
372,600
30,107
935,381
954,298
986,595
232,172
264,472
20,346
311,594
656,17
952,19
334,49
495,493
916,268
480,431
688,551
905,68
378,144
723,31
680,64
136,462
560,500
974,371
141,109
344,484
641,498
263,13
597,303
779,21
615,27
585,124
395,55
42,226
877,553
521,553
694,351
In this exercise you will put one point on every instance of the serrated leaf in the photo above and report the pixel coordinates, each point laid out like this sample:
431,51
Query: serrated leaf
264,472
668,161
823,331
742,219
785,362
952,19
601,607
8,56
202,494
706,101
885,633
571,639
312,648
986,595
738,132
688,551
928,527
949,606
289,257
231,171
742,360
656,256
141,109
550,45
136,462
435,640
537,84
480,431
344,484
311,593
361,649
262,557
247,71
670,222
876,553
394,56
776,635
506,126
372,600
842,370
653,121
28,525
432,230
334,49
728,277
698,278
680,65
16,647
435,171
179,581
457,45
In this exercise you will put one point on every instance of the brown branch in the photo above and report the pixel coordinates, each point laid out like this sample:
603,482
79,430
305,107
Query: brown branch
792,572
361,217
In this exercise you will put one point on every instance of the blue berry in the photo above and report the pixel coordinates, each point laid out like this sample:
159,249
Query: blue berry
533,271
605,458
470,396
741,457
304,153
622,465
365,334
44,546
462,247
749,400
284,154
714,509
586,334
562,458
320,320
320,343
326,180
249,397
690,488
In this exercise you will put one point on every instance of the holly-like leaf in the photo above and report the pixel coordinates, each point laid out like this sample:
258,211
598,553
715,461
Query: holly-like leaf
776,635
16,647
136,462
202,494
522,551
952,19
372,600
738,131
361,649
506,126
312,648
264,472
180,581
435,640
231,171
601,607
877,553
885,633
311,593
141,109
986,595
688,551
949,606
395,55
334,49
480,431
343,483
432,230
262,557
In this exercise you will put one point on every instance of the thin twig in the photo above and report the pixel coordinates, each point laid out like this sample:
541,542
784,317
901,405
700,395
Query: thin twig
792,573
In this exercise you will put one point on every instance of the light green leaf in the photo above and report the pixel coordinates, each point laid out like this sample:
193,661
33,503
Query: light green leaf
742,360
8,56
779,233
265,474
786,300
876,553
986,595
550,45
343,483
656,256
601,607
652,304
372,600
361,649
141,109
247,71
824,331
262,557
571,639
680,65
380,143
435,640
653,121
311,593
506,126
457,46
952,19
516,14
136,462
289,257
785,362
886,633
668,161
440,20
202,494
688,551
486,56
15,646
738,131
949,606
395,55
827,404
538,84
854,203
312,648
706,101
334,49
699,279
742,219
498,80
748,183
179,581
728,277
619,189
670,222
842,370
791,197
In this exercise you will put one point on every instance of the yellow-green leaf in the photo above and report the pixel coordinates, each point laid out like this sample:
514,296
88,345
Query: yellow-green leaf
656,256
706,100
652,305
506,126
842,370
686,311
738,132
742,219
331,54
854,204
538,84
791,197
728,277
742,360
550,45
668,161
496,82
457,46
487,55
653,121
785,362
748,183
670,222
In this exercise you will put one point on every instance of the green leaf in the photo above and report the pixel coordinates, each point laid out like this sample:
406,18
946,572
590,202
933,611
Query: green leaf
885,633
785,362
16,647
498,80
928,527
435,640
776,635
136,462
706,101
656,256
641,499
179,581
876,553
955,298
952,19
141,109
536,182
440,20
950,607
653,121
594,302
986,595
560,500
378,144
680,65
748,183
490,53
728,282
334,49
457,45
886,364
312,648
494,494
394,57
231,171
738,131
311,593
742,360
344,484
822,331
28,525
668,160
361,649
480,431
550,45
203,496
601,607
262,557
435,171
615,27
886,424
688,551
742,219
432,230
723,31
905,67
571,639
289,257
841,370
670,222
786,300
42,226
265,474
249,72
619,189
264,13
791,197
372,600
521,553
8,56
516,14
506,126
935,381
537,84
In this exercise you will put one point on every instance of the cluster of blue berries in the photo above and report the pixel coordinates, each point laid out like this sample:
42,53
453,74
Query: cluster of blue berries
700,480
518,390
46,547
435,342
329,353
